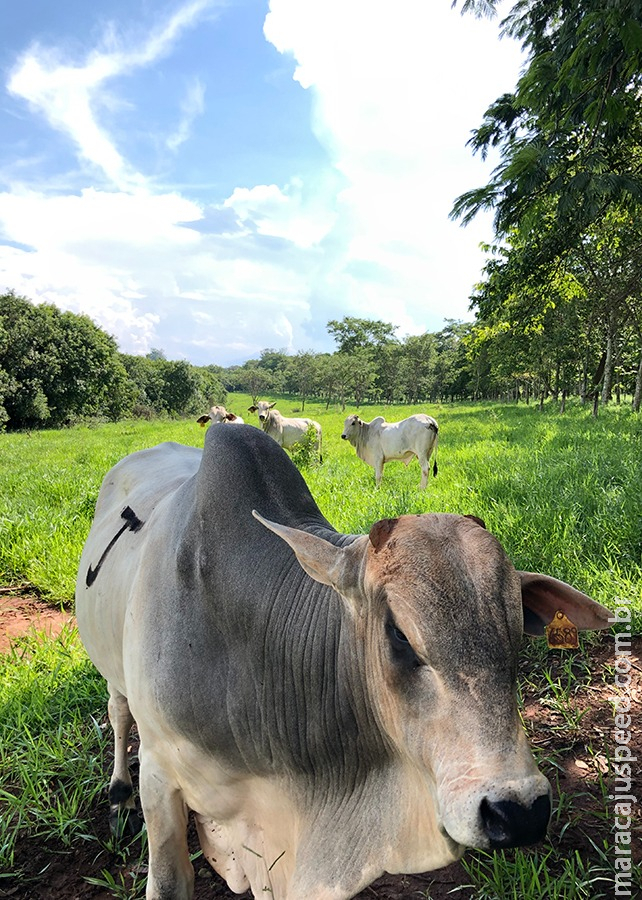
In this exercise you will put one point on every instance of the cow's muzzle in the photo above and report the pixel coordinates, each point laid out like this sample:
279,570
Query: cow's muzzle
509,824
344,437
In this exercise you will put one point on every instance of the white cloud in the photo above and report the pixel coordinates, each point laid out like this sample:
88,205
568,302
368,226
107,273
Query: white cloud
395,92
129,262
67,94
192,106
284,213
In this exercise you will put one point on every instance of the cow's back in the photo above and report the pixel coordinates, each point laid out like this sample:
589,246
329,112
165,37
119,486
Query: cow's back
198,587
131,494
416,434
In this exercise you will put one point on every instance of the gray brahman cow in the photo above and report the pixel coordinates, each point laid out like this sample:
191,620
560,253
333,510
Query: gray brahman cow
219,414
329,706
286,431
378,442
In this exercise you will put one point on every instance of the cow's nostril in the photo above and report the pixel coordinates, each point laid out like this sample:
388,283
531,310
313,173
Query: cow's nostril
509,824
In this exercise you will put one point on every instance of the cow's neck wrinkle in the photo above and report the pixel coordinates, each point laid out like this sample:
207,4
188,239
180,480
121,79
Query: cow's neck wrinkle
274,650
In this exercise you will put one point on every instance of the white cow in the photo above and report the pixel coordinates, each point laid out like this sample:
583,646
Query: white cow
219,414
342,707
378,442
285,431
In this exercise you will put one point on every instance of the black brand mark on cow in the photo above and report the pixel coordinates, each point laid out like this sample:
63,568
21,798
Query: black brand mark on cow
133,523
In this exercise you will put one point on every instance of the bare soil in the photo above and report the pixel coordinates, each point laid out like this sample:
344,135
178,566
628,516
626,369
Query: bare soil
21,610
48,871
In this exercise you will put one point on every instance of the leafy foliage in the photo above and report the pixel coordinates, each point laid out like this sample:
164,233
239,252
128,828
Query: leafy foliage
57,366
571,131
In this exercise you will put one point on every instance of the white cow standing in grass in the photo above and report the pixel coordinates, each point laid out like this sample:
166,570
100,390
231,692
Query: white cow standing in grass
378,442
219,414
286,431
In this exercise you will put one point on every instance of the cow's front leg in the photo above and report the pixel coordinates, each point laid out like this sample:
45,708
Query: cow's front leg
123,817
378,467
171,874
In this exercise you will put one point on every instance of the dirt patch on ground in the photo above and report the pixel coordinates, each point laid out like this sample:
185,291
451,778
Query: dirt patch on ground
53,872
21,610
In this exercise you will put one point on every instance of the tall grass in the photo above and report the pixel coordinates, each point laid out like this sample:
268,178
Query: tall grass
52,750
562,493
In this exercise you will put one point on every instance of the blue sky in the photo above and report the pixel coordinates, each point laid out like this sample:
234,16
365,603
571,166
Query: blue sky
216,178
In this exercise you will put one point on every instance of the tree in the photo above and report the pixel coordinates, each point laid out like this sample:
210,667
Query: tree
254,380
91,379
363,375
608,263
571,132
303,374
5,379
360,334
211,387
180,387
146,378
450,376
29,357
277,363
416,365
334,377
61,366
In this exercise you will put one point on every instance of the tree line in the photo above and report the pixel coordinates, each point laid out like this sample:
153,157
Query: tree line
57,368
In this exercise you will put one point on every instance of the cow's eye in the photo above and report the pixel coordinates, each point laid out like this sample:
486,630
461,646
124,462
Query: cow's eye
401,648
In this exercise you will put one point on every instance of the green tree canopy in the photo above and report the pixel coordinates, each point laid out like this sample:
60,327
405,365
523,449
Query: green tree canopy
571,131
60,366
360,334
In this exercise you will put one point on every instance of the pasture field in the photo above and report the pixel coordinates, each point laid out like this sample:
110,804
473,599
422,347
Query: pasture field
563,493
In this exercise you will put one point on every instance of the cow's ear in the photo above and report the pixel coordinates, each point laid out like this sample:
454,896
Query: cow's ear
203,420
380,533
252,408
272,405
543,596
476,519
323,561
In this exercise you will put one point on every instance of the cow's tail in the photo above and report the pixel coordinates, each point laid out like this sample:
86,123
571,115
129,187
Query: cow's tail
434,452
320,447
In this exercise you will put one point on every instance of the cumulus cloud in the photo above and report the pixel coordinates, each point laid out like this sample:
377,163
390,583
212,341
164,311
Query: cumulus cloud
284,213
133,263
397,92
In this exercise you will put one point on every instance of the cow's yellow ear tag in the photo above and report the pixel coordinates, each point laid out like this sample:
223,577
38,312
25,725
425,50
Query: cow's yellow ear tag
561,633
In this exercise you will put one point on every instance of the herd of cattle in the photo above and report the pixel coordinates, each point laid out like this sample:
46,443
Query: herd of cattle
328,707
376,442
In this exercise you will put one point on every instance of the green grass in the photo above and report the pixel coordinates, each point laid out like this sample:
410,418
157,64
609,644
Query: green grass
562,493
52,750
528,874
